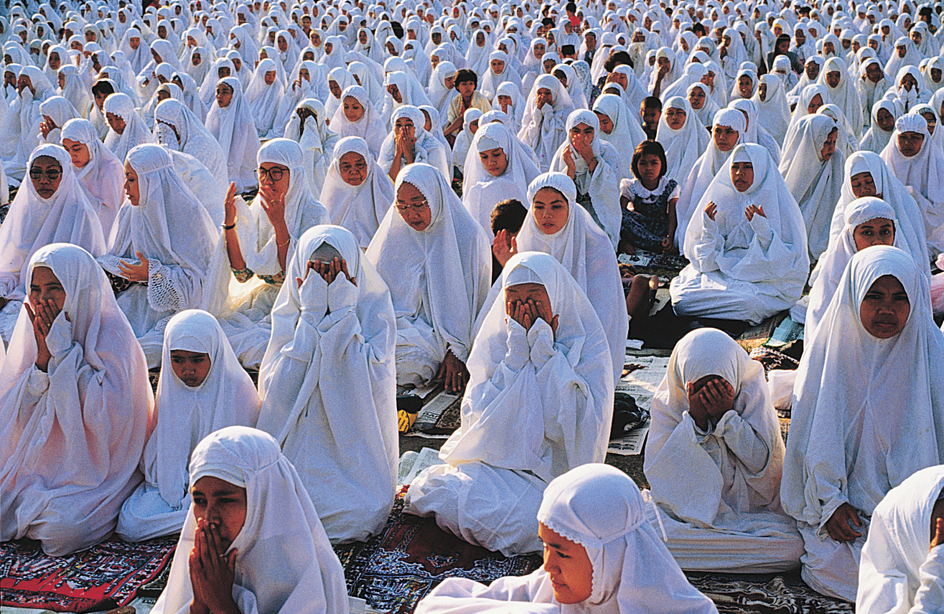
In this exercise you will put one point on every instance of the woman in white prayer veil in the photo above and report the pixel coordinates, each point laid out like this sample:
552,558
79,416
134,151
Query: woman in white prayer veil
21,133
307,127
700,94
409,143
73,89
581,246
618,126
536,407
73,374
885,113
727,129
813,171
683,138
903,55
510,101
873,367
812,97
594,166
178,129
435,258
357,193
842,92
202,388
339,79
231,124
97,168
357,116
281,559
597,513
328,382
262,96
496,171
918,163
714,459
162,244
55,111
221,68
747,242
543,126
44,211
900,569
909,89
120,112
772,108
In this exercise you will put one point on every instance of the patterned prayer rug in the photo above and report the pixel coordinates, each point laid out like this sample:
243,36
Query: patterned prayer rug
770,593
101,578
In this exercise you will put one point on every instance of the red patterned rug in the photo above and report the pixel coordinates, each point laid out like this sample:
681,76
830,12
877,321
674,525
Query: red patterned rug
101,578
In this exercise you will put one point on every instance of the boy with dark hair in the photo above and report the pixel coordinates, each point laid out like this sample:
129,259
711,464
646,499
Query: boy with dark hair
466,82
651,111
506,221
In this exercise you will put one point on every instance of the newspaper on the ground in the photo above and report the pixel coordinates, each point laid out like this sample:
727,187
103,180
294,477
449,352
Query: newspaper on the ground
645,374
412,463
429,414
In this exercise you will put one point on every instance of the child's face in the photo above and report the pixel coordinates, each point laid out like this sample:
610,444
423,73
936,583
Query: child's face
191,368
568,566
222,505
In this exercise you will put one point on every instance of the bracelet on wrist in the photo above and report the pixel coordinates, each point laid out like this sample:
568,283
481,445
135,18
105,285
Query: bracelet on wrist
229,226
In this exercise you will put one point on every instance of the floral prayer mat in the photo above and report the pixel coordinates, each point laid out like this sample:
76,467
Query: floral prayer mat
769,593
101,578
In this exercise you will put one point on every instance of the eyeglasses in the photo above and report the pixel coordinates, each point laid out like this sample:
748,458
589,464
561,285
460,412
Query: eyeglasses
51,174
415,205
274,173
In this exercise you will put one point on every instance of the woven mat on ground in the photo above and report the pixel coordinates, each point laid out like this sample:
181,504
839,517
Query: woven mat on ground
397,568
768,593
101,578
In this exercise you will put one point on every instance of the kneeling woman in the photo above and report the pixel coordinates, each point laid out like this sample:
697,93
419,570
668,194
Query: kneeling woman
714,458
74,407
328,383
747,244
600,556
539,403
252,542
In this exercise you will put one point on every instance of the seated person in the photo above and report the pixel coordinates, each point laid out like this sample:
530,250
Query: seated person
747,243
873,367
543,126
252,541
435,259
507,218
901,568
408,143
600,555
202,388
327,382
50,207
648,201
538,404
97,168
74,372
714,458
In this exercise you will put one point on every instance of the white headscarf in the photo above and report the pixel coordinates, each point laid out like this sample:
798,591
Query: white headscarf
135,132
708,110
543,129
520,381
103,176
284,562
846,383
516,109
235,130
33,221
843,95
875,139
814,183
369,127
585,252
72,451
359,209
683,146
440,274
190,136
263,99
774,111
892,567
332,349
426,149
626,134
226,397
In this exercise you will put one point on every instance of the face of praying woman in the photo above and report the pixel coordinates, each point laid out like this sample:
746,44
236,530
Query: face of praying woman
829,147
191,368
550,210
931,119
497,66
46,175
725,137
886,121
413,207
78,151
696,98
878,231
863,185
815,104
45,286
353,168
269,77
675,118
812,70
335,88
494,160
908,82
568,567
745,86
832,78
885,308
224,95
742,175
353,110
132,190
221,505
910,143
581,135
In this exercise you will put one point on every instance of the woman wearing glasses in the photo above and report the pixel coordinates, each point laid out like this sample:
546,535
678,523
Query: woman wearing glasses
258,240
436,260
51,207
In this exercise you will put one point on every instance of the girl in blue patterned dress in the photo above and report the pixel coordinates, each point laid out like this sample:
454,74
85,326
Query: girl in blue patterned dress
648,202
